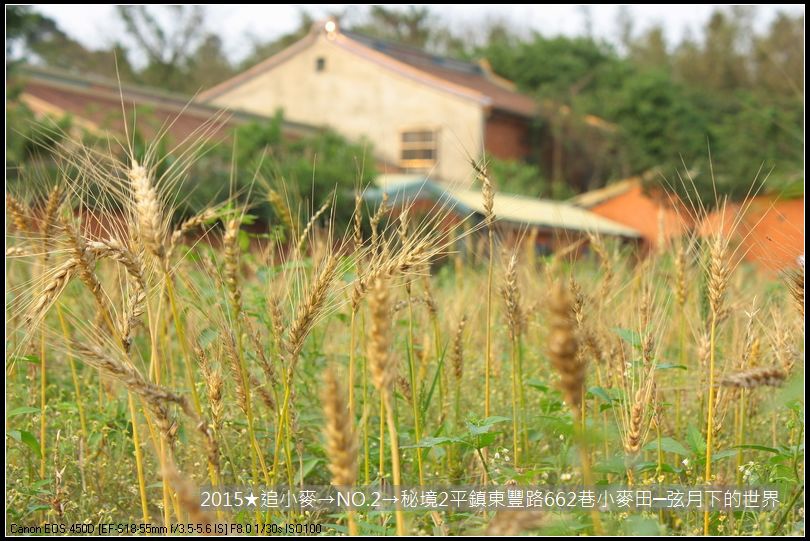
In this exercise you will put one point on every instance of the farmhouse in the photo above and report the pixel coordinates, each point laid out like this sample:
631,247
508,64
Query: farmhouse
768,229
423,113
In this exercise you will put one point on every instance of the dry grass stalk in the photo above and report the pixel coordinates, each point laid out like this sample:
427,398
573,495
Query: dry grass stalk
302,238
511,297
769,376
280,208
155,396
457,352
680,275
487,192
381,365
341,440
230,242
261,390
357,222
375,220
562,345
795,282
604,262
261,357
188,226
408,258
147,206
277,323
17,251
213,385
188,496
718,272
639,424
133,264
50,211
56,282
240,379
85,259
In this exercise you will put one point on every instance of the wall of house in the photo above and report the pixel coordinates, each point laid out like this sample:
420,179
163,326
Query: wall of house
507,137
359,98
635,209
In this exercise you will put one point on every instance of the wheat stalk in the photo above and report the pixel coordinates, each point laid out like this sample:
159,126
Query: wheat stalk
187,226
302,238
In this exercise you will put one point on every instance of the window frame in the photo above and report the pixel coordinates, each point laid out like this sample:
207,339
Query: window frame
433,145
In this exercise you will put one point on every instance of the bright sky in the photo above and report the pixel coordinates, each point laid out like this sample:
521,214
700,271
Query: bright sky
97,25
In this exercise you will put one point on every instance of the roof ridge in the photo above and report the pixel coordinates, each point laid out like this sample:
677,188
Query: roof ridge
94,78
475,67
174,102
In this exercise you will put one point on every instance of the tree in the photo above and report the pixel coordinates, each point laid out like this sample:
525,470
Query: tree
262,50
167,48
35,38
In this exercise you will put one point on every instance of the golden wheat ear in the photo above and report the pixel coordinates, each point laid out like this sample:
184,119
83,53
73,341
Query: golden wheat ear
563,346
341,440
757,377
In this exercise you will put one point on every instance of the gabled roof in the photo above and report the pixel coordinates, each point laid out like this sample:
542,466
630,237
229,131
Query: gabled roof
509,208
594,197
473,81
476,77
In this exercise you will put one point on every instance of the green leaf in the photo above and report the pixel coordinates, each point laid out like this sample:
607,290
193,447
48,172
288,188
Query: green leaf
244,240
306,468
668,445
696,441
207,336
671,366
537,384
485,440
427,399
429,442
33,359
723,454
759,448
27,438
630,336
24,410
482,427
640,525
653,466
495,419
600,393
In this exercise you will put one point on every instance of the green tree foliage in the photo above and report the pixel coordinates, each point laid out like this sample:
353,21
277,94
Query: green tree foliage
730,95
319,166
516,177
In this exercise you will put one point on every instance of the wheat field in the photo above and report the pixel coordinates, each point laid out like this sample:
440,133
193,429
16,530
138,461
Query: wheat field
148,357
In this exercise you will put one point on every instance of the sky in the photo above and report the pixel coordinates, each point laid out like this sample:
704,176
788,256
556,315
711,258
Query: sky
97,25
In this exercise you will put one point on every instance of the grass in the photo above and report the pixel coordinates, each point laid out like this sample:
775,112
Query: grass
142,364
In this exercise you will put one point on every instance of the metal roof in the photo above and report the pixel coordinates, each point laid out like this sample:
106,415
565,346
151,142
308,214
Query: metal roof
509,208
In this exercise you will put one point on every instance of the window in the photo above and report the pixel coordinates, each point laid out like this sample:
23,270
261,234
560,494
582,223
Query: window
419,149
320,63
